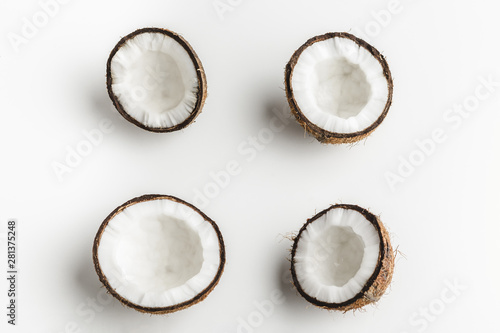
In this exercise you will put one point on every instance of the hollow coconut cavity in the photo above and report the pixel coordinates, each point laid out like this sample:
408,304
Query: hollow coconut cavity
342,258
158,254
155,80
339,87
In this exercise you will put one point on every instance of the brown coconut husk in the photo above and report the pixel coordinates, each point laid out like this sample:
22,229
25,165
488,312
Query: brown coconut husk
319,133
157,310
201,95
379,281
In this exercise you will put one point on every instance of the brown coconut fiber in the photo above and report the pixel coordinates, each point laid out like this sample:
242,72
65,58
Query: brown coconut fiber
319,133
379,281
201,94
157,310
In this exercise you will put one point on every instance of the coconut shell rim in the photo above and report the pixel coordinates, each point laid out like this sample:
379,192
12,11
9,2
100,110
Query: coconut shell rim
382,253
320,133
201,94
157,310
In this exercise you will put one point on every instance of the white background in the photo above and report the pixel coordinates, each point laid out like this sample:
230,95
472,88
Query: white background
443,216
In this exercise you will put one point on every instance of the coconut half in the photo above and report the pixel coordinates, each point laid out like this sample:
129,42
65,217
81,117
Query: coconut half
342,258
155,80
158,254
339,87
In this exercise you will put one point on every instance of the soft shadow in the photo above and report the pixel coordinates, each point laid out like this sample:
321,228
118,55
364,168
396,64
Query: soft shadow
108,310
293,132
102,107
277,107
295,304
293,301
92,288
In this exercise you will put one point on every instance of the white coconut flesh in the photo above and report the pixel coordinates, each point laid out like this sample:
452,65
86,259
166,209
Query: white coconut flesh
339,86
336,255
159,253
155,80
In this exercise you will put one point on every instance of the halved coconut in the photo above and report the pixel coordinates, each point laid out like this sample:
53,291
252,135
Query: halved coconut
156,80
342,258
158,254
339,87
